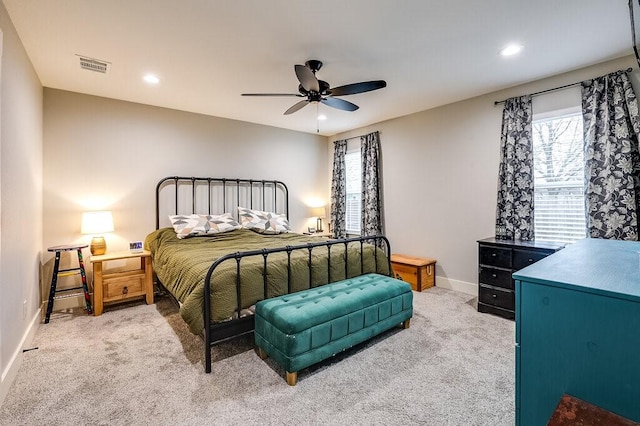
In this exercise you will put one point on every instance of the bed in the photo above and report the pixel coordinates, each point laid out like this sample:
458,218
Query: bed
218,277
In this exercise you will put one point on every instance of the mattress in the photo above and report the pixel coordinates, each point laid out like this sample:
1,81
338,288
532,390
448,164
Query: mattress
181,266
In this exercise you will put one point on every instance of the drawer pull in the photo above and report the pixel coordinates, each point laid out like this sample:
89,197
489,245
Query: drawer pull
495,296
494,275
493,254
530,260
125,290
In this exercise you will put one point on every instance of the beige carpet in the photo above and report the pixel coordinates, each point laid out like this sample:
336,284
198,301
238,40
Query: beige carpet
139,365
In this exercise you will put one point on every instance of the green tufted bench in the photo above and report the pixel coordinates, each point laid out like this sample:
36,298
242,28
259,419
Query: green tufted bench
303,328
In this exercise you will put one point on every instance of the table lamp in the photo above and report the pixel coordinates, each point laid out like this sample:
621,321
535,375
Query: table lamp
97,224
319,212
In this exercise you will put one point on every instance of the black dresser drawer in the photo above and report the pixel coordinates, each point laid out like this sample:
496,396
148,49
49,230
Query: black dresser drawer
490,309
495,256
524,258
497,297
498,260
496,277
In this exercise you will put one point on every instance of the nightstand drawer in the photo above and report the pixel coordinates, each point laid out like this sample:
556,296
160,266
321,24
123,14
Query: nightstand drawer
524,258
123,287
496,277
497,297
495,256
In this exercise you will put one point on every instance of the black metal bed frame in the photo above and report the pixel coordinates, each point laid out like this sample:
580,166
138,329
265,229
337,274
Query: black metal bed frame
216,332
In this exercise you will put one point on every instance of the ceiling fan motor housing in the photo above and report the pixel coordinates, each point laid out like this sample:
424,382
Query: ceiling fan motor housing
314,65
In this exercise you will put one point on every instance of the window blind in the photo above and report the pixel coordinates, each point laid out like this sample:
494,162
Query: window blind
559,207
353,168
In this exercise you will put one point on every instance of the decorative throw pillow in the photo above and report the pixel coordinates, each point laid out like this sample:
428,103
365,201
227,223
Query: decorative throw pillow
263,222
202,224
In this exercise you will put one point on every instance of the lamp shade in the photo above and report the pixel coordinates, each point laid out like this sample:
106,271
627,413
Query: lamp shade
319,212
97,223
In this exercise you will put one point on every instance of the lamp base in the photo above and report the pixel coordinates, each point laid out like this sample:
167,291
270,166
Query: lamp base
98,246
319,225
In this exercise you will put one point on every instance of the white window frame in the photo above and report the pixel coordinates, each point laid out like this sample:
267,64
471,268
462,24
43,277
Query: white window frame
353,190
550,223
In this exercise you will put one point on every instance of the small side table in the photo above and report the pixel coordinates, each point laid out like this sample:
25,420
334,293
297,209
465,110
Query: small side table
121,286
420,272
57,272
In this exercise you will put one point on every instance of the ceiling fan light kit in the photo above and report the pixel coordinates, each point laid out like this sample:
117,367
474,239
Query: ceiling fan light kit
319,91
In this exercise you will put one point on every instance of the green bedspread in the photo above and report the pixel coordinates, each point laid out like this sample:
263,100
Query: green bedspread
182,264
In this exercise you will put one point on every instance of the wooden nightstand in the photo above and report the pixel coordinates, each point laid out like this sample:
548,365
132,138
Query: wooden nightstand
123,285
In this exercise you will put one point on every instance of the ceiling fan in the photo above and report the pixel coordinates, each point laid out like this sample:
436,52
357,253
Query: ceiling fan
315,90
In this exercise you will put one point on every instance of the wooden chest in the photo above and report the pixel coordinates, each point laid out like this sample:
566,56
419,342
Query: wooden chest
420,272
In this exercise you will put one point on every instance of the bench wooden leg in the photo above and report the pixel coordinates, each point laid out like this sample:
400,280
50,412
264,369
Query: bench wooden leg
292,378
261,353
406,323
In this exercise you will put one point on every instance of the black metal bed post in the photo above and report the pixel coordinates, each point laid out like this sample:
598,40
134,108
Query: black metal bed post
175,185
209,196
193,195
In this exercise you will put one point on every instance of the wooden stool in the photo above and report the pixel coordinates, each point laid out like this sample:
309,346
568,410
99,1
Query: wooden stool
57,272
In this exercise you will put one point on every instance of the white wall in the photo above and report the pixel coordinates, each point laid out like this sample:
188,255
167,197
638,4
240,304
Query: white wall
440,170
20,200
107,154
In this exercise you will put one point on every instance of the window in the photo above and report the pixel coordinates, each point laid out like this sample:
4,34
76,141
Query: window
353,169
559,203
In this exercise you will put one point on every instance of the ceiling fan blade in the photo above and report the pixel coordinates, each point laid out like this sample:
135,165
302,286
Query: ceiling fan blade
352,89
296,107
272,94
340,104
307,78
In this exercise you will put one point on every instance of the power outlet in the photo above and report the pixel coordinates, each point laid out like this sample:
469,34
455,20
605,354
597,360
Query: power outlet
24,310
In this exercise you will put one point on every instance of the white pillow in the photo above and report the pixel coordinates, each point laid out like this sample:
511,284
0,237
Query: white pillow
263,222
202,224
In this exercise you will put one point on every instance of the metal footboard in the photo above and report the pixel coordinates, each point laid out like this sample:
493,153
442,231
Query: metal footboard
218,332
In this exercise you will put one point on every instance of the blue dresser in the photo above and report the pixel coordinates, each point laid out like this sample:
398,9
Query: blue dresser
578,330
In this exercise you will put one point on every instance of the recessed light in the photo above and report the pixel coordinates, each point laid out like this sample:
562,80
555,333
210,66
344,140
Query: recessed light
151,79
322,117
511,50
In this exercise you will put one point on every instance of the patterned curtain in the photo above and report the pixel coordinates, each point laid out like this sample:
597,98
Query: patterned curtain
514,213
612,161
371,205
339,190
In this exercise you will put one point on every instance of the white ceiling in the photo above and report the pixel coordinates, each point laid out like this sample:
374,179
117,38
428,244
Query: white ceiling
208,52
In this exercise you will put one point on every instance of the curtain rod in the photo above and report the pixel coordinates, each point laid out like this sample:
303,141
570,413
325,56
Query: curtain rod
357,137
553,89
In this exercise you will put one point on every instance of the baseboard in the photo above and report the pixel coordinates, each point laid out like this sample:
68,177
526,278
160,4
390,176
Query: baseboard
461,286
9,374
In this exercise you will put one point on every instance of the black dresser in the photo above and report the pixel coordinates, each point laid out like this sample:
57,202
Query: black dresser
497,260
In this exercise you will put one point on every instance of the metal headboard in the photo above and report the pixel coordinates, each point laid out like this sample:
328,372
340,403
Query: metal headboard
209,195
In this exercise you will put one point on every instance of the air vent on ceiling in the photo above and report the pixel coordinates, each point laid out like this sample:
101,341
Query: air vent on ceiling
91,64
